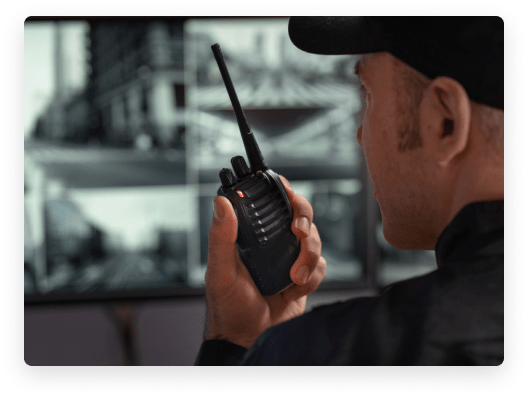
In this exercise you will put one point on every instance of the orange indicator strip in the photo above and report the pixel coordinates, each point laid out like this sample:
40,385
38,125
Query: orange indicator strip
240,194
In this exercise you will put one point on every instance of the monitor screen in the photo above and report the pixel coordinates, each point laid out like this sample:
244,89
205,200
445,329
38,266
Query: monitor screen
127,125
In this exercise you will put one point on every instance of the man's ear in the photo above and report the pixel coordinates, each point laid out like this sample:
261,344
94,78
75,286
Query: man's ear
447,113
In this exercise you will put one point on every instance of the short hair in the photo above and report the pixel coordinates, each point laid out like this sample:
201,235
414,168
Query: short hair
409,85
492,126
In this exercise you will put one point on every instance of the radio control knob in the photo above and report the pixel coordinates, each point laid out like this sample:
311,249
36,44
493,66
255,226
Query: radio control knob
240,166
227,178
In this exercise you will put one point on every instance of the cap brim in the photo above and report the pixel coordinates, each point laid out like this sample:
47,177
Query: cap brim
336,35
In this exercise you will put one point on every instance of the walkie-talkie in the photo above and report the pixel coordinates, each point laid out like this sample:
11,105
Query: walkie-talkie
265,241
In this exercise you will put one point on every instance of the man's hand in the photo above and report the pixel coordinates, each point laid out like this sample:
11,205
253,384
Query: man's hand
236,311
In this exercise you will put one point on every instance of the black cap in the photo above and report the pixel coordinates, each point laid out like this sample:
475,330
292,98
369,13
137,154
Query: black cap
468,49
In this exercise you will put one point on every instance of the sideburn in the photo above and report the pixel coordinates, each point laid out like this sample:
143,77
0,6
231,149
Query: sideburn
409,85
408,129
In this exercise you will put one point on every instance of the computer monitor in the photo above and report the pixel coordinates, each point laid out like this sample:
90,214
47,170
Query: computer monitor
128,124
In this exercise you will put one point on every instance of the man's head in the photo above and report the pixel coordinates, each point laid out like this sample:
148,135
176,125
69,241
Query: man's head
427,144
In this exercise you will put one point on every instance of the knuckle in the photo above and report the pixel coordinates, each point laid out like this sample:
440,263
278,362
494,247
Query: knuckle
313,255
314,241
303,203
322,267
314,234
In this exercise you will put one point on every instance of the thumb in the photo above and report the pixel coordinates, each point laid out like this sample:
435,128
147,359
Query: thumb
222,253
225,224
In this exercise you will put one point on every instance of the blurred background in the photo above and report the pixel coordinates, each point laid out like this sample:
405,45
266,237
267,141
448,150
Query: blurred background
127,123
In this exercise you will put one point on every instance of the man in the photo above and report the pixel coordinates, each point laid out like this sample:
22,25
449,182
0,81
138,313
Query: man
432,135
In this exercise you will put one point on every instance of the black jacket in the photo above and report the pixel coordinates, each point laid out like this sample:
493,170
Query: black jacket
451,316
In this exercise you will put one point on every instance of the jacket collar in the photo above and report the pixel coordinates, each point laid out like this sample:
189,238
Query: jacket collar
476,231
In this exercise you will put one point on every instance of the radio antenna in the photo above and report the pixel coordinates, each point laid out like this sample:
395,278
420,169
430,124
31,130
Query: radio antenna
255,158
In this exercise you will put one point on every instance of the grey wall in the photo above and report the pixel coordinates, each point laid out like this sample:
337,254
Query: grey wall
167,332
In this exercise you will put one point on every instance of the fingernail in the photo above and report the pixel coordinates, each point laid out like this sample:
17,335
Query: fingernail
218,212
303,224
302,273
